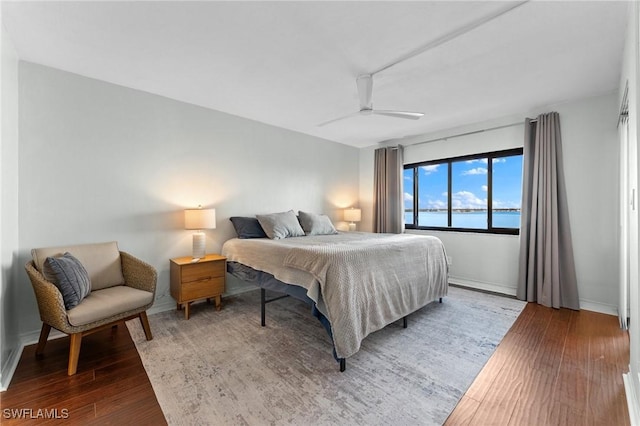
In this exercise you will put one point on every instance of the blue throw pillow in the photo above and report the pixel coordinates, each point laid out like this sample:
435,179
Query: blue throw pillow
67,273
247,227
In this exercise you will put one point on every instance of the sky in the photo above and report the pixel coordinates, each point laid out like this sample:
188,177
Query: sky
469,184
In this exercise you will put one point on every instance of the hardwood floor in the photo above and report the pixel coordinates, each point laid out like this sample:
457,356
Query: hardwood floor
554,367
110,387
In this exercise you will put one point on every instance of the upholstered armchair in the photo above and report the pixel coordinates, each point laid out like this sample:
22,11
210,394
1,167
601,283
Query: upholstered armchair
121,288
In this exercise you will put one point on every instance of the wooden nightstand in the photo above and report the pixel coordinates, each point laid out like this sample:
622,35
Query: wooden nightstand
203,279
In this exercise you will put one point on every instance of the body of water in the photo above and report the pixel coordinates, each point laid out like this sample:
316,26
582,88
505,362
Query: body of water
473,220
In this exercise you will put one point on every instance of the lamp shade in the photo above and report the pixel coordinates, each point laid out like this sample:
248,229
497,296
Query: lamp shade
352,215
200,219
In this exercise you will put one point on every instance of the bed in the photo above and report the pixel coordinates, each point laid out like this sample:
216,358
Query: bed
359,282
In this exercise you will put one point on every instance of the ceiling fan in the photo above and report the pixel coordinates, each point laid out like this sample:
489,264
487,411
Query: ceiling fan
365,88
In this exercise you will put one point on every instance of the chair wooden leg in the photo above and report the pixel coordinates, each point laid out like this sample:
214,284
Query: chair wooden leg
42,341
145,325
74,353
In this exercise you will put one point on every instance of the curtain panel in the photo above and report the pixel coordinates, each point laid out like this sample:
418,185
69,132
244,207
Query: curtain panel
388,209
546,268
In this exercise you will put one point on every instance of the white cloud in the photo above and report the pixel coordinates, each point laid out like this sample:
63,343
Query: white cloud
498,204
436,204
485,188
408,197
480,160
430,169
499,160
467,200
476,171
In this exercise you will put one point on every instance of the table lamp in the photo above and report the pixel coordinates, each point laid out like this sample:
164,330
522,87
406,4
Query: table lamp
199,219
352,215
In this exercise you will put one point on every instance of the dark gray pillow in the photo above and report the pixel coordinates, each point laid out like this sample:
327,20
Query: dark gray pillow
67,273
280,225
316,224
247,227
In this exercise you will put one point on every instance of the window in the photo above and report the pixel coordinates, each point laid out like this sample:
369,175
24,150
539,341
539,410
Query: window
478,193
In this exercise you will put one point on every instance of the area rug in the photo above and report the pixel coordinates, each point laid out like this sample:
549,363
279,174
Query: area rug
222,367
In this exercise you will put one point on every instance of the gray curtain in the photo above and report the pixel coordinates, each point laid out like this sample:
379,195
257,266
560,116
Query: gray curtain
388,209
547,272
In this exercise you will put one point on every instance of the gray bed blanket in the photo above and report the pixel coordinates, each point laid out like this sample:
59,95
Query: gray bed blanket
361,281
373,282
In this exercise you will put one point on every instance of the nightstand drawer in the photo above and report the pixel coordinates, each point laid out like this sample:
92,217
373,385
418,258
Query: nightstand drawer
203,288
199,271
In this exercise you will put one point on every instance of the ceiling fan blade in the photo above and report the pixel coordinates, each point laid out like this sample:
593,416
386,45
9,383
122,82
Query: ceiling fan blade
344,117
365,88
399,114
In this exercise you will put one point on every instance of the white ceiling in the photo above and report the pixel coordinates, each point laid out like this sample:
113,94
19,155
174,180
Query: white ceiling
294,64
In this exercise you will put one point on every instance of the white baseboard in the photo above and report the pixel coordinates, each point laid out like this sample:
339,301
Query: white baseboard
163,306
588,305
9,368
603,308
235,291
633,403
32,337
480,285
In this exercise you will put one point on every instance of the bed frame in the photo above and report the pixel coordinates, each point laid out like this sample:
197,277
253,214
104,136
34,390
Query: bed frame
263,314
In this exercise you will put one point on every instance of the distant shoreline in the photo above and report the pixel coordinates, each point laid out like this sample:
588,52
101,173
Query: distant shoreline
464,210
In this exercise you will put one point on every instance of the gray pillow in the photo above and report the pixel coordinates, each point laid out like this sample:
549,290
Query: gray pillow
67,273
280,225
316,224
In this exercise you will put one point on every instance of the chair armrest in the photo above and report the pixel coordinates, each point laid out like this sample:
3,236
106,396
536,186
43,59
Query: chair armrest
138,274
49,298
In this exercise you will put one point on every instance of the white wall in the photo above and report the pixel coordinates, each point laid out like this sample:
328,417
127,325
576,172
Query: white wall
101,162
9,348
590,148
491,261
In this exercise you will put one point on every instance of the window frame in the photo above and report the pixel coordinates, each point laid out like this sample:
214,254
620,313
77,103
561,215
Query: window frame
490,156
